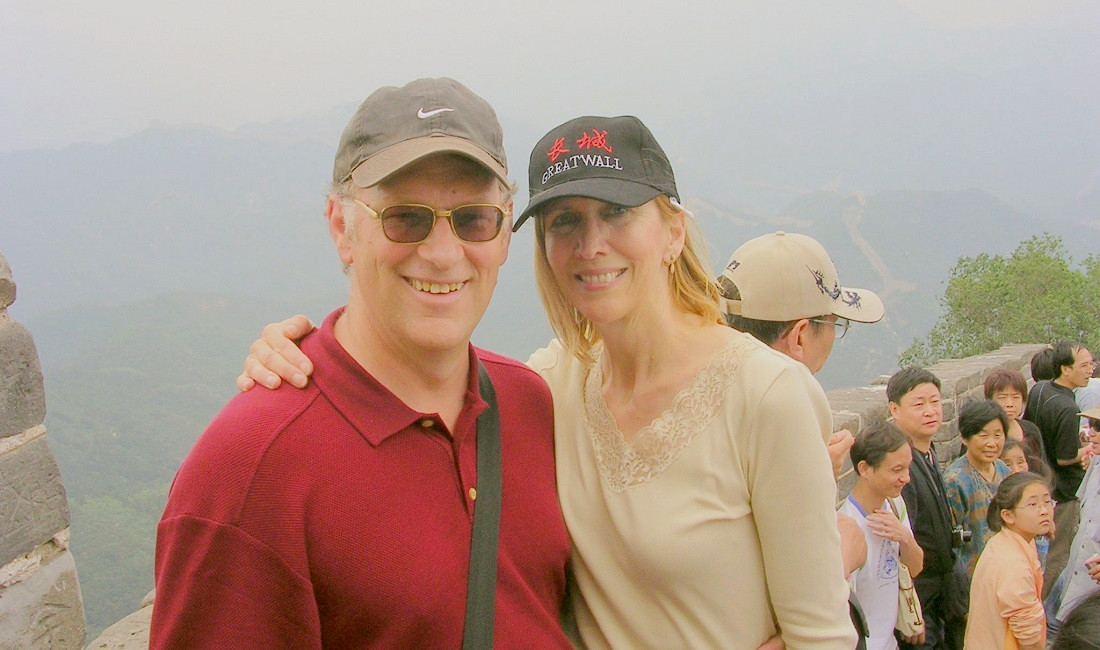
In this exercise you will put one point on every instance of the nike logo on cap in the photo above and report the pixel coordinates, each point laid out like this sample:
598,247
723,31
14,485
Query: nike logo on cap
422,114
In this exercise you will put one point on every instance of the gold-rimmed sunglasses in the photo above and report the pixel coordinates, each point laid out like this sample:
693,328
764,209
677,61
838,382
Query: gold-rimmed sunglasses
411,223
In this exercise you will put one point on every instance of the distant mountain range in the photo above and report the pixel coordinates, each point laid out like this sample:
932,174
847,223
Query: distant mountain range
146,265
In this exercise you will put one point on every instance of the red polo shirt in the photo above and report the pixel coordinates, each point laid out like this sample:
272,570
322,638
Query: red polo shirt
336,516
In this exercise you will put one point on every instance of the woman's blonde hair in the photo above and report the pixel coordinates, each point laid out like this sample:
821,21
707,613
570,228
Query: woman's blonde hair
690,282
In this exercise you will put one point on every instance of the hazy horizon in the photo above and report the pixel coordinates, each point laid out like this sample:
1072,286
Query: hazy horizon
77,72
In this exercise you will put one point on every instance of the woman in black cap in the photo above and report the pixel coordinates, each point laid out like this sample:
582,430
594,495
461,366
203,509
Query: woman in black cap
691,460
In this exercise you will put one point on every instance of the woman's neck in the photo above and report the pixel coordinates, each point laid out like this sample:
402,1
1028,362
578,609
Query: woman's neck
636,351
983,467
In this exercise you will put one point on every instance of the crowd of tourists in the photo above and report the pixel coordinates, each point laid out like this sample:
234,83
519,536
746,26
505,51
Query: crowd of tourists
661,474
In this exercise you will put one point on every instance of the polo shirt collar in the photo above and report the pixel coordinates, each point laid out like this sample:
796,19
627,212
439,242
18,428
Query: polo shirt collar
367,405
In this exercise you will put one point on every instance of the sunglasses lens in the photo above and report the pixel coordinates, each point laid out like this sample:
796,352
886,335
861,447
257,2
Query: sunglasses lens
407,224
476,223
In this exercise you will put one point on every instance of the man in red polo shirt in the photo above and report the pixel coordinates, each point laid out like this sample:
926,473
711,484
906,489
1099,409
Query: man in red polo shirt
341,515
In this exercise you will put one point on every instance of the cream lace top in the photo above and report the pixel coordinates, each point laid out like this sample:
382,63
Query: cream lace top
727,497
623,465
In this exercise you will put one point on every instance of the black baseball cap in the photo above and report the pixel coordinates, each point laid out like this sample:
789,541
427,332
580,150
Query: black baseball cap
611,159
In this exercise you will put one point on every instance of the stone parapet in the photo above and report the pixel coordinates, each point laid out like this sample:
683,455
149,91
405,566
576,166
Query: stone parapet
22,396
40,601
32,498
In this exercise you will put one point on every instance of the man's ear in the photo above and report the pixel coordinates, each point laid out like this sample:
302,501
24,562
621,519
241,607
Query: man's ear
337,228
506,227
893,409
795,340
862,467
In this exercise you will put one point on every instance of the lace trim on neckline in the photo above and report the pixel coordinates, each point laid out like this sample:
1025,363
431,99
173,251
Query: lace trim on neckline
657,445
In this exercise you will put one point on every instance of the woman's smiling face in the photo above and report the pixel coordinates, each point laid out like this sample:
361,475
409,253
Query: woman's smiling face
610,262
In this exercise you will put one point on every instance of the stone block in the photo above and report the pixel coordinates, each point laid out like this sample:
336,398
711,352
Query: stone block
847,420
32,499
7,285
949,408
45,610
868,402
22,396
948,431
948,451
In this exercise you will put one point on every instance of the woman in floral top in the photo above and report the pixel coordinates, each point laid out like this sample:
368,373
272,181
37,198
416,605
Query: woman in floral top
973,478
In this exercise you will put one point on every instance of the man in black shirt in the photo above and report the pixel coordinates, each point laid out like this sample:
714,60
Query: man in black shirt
915,405
1054,410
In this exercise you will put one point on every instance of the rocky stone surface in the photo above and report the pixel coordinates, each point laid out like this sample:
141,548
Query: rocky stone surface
40,601
131,633
22,396
45,609
7,285
32,498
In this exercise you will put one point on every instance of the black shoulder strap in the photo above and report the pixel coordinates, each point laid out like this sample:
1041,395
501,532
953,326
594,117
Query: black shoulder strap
481,588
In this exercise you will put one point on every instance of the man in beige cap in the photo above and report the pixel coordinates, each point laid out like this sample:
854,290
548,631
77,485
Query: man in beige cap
341,515
783,289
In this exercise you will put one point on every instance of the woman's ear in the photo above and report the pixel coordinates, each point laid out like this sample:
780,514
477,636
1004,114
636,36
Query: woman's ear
678,234
1008,516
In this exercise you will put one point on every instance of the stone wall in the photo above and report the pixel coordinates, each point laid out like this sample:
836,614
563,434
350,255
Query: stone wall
40,603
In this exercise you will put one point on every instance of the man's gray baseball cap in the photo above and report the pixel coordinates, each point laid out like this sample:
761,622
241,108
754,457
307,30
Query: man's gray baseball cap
396,127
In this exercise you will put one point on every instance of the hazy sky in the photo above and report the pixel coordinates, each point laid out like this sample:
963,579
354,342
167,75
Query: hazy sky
76,71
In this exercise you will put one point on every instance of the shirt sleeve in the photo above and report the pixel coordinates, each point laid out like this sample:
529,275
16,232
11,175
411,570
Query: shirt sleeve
1089,396
958,498
1020,605
218,587
792,487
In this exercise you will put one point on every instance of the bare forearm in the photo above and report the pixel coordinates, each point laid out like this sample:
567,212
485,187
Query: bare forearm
912,555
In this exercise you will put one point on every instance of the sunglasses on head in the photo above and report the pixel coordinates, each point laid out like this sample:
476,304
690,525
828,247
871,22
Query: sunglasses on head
411,223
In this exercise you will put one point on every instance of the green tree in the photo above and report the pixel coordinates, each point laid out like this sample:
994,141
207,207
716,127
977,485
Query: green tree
1034,295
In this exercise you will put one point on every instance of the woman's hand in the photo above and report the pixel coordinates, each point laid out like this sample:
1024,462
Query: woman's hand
774,643
274,356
